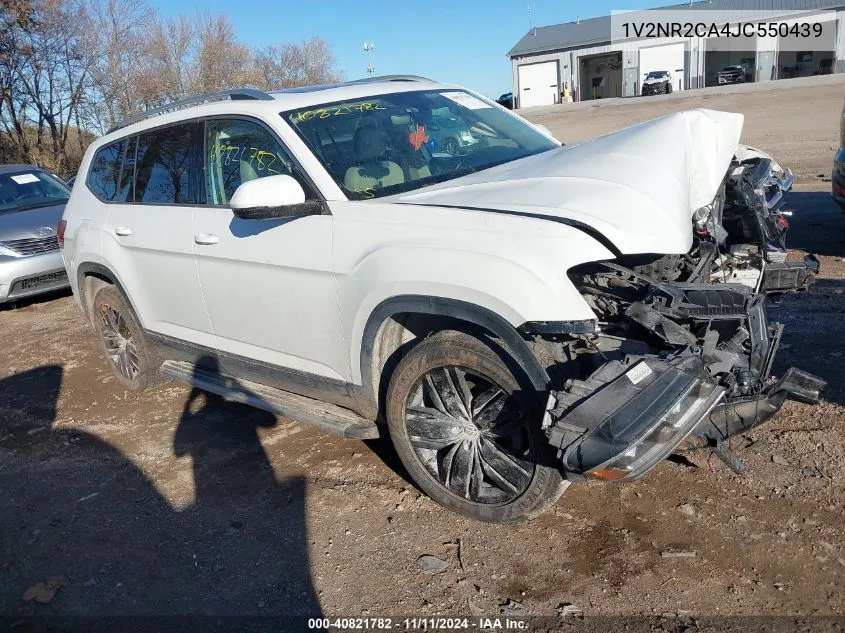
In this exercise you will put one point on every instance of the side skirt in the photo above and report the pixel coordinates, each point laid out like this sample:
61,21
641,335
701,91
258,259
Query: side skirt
325,416
336,392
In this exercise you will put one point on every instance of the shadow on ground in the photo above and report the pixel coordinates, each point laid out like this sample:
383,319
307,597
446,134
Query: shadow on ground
35,299
817,225
73,506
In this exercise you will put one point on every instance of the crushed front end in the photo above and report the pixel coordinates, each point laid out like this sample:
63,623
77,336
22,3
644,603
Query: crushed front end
681,352
672,362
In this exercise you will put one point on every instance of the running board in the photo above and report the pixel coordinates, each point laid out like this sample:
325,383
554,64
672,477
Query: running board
325,416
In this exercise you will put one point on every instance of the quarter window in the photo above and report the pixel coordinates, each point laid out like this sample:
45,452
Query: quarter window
167,167
238,151
105,171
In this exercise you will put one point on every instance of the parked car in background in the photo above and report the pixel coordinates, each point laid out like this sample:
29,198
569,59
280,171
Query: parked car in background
309,253
506,100
657,82
31,205
450,134
731,75
838,176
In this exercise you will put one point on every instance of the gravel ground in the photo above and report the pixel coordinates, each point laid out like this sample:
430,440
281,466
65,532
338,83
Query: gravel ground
174,502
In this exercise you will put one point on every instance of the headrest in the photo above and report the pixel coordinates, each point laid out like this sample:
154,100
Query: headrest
369,143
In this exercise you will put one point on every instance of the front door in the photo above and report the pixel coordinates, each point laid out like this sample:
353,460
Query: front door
268,284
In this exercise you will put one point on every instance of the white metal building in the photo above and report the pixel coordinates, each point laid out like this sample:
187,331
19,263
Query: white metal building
578,61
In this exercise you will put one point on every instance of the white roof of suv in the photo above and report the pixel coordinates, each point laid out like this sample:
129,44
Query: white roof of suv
247,100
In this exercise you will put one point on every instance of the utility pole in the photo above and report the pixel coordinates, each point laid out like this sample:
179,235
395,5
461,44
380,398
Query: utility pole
368,48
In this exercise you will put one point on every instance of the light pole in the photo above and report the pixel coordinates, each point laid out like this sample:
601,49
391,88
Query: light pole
368,48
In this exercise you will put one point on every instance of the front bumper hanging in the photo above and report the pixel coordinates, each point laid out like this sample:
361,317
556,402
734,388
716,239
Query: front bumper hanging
631,413
633,421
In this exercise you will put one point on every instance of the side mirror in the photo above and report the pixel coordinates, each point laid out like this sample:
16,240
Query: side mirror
272,197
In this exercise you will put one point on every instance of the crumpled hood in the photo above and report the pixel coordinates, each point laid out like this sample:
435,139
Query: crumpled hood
655,80
638,187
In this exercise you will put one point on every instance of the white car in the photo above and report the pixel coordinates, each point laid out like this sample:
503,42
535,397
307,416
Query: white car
657,82
520,315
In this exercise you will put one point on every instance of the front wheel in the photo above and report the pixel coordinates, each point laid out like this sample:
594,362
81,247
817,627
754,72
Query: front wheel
468,433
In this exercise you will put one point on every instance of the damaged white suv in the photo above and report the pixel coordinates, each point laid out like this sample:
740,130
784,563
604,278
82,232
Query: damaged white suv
520,314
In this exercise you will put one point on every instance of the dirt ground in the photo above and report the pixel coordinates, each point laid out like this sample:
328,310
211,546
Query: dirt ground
174,502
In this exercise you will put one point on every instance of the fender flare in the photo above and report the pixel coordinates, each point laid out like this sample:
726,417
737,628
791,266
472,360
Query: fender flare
87,268
454,308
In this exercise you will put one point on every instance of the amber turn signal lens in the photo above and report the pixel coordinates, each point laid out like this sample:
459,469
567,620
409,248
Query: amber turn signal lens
609,474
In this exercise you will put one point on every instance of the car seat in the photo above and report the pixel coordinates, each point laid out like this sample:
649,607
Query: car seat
371,172
247,171
9,191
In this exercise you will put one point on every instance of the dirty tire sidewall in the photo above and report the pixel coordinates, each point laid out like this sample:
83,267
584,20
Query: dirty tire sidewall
149,356
457,348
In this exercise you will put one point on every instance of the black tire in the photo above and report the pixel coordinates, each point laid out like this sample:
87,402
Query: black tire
487,424
668,89
133,358
450,146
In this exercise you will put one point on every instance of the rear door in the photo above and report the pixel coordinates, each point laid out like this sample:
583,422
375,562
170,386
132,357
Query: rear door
148,237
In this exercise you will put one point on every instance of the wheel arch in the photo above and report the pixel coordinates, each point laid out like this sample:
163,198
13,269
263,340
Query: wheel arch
397,324
91,277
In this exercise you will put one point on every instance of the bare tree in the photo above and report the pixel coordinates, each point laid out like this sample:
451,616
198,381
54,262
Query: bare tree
221,60
72,67
48,72
167,71
16,21
118,31
308,63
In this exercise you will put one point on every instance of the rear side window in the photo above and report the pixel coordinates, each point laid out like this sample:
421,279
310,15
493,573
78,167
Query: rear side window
168,167
104,174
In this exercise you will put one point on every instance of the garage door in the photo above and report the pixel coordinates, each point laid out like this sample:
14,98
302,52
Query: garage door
667,57
537,84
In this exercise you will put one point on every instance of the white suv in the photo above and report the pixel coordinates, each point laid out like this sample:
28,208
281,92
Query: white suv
520,314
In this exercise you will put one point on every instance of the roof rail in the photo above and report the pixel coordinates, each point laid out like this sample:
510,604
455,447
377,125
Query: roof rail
366,80
235,94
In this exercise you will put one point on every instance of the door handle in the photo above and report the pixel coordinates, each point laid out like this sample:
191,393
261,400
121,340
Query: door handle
206,238
122,231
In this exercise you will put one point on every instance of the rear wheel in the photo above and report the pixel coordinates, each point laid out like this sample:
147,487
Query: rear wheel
133,358
468,433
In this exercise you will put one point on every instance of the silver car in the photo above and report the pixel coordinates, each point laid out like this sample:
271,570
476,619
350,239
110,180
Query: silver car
31,205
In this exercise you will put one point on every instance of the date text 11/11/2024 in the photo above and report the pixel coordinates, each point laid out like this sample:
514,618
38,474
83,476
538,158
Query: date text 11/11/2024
492,623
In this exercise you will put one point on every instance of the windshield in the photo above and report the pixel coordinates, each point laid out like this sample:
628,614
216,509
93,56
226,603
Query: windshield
30,189
399,142
657,75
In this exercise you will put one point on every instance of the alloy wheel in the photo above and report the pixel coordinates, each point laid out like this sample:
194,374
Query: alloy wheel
470,435
119,342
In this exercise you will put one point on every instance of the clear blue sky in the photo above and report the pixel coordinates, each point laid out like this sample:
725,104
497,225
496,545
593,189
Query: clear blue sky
462,41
